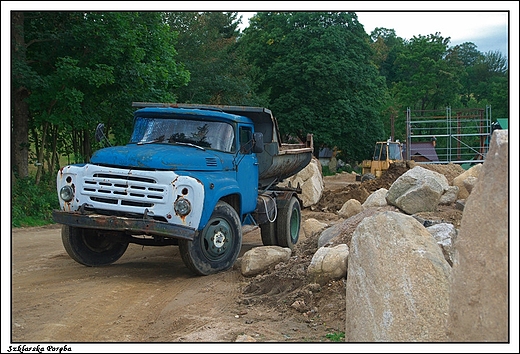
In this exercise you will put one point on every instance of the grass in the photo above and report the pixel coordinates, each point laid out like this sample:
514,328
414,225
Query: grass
31,204
336,336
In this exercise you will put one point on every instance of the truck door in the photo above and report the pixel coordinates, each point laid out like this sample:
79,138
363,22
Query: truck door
247,169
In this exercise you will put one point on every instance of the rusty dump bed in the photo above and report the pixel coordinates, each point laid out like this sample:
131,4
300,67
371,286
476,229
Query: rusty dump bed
278,160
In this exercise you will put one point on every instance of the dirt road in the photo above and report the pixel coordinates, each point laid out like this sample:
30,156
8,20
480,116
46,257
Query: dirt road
146,296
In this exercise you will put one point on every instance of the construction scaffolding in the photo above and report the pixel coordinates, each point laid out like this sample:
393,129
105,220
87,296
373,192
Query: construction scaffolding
461,136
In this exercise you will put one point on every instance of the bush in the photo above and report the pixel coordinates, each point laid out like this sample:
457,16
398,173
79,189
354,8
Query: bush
31,204
325,171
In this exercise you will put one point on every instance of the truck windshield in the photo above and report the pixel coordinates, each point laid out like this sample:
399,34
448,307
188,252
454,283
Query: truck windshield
205,134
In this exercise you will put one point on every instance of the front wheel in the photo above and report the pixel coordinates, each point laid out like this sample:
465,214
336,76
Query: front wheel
92,247
288,223
367,177
216,247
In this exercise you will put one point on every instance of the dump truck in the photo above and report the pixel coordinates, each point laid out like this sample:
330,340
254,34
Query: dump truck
190,176
385,153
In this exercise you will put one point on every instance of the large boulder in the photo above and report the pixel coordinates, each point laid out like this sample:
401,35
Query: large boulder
417,190
458,181
376,199
328,264
479,299
342,231
350,208
397,282
311,182
258,259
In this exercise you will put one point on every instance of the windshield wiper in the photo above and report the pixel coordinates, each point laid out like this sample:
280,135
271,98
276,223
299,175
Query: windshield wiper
190,144
158,140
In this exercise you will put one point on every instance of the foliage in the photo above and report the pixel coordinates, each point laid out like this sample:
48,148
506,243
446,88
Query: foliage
32,204
426,79
315,69
325,171
387,46
206,42
486,78
87,67
336,336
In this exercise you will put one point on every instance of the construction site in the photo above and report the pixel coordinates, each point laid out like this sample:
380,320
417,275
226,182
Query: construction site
459,136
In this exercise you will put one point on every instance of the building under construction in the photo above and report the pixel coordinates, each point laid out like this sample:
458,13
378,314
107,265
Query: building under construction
458,136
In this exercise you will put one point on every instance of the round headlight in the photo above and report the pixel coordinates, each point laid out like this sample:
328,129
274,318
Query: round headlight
66,193
182,206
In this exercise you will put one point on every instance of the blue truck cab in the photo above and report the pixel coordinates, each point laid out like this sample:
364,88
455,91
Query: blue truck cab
190,176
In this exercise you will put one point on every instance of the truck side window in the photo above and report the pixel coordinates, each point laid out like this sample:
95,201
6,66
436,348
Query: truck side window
246,140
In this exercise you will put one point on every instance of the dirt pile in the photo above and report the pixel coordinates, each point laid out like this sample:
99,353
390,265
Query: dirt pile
333,199
286,289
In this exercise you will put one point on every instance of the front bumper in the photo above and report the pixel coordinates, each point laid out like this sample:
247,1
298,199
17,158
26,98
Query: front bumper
118,223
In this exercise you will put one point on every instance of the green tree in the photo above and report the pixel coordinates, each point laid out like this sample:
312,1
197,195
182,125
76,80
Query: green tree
467,54
492,87
316,70
426,80
206,46
82,68
486,78
387,47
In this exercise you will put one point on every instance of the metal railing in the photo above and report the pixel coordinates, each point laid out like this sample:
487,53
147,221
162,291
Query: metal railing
459,136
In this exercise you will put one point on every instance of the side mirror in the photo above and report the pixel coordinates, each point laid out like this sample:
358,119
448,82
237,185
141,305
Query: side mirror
100,132
258,142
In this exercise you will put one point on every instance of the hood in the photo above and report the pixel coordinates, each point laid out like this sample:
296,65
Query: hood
161,157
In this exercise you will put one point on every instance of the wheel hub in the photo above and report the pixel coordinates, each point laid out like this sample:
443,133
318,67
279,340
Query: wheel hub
219,239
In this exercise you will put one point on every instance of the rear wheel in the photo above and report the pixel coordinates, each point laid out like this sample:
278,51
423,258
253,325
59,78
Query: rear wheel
92,247
288,223
216,247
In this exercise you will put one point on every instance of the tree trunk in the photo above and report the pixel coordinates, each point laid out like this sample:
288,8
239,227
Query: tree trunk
19,107
41,153
54,157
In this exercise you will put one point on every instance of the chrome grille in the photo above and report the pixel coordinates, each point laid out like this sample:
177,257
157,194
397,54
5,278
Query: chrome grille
124,190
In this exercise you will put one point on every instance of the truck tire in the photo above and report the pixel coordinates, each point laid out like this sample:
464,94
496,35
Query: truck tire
92,247
288,223
367,177
216,247
268,233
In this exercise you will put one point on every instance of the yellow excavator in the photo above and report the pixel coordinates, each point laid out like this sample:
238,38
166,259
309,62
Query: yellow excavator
385,153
